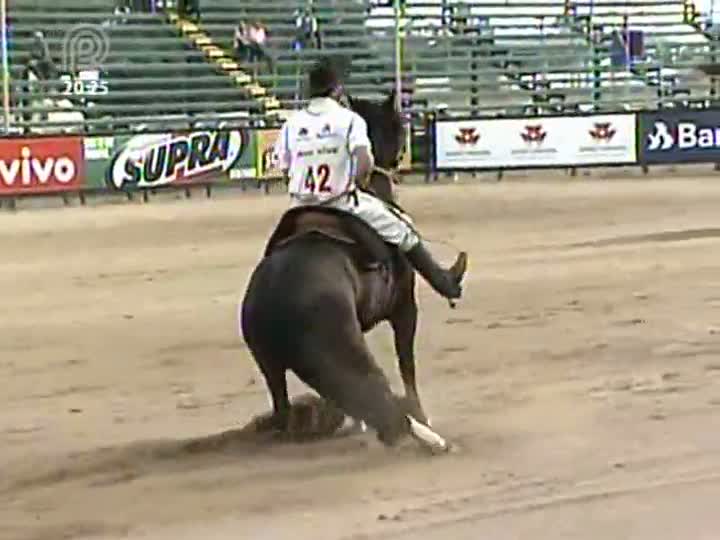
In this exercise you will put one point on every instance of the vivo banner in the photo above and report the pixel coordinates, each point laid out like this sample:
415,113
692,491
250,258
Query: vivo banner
535,142
679,136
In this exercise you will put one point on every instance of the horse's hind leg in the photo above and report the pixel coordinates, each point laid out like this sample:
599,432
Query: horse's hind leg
276,380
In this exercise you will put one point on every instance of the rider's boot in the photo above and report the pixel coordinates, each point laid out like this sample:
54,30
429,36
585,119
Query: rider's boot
445,282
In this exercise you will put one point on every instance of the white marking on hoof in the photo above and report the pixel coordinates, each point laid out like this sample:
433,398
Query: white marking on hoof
352,425
427,436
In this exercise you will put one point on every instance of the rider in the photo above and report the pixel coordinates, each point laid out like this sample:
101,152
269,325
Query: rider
325,151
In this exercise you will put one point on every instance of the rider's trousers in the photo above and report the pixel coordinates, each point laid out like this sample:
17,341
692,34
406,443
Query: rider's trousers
391,224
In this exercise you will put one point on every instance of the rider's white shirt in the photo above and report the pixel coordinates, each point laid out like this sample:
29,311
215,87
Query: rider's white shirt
315,146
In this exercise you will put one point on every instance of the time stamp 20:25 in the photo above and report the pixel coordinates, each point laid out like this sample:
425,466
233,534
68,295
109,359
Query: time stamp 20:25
80,87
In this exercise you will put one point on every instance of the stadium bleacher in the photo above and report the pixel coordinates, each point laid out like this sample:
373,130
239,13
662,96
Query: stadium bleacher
342,23
485,57
153,75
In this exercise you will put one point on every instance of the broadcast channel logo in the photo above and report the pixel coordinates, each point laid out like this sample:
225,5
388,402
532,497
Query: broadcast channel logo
84,49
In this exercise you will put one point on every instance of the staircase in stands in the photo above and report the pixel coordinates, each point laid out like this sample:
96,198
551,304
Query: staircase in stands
223,59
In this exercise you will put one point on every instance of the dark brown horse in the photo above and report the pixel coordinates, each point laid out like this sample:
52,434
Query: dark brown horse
326,279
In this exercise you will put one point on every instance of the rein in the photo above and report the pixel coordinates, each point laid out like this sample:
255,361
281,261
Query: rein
390,174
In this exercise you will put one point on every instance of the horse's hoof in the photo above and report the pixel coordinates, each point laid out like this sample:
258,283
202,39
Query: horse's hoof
446,448
427,437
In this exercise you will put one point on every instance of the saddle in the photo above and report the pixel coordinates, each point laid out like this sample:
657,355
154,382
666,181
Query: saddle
367,247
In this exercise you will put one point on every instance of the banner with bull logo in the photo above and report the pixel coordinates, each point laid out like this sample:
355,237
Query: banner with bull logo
535,142
161,159
679,136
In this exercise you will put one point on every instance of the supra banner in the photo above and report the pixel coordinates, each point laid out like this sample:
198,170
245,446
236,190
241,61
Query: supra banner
679,136
41,165
161,159
535,142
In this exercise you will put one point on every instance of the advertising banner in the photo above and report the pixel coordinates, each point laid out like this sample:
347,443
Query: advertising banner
265,144
41,165
535,142
161,159
98,152
679,136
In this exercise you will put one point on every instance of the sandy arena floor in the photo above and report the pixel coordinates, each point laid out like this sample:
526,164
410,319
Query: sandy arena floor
580,378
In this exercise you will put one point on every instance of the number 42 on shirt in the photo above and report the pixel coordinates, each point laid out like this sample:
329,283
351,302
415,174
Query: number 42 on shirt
317,179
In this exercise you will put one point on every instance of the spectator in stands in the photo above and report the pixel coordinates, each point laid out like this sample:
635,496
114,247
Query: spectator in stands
241,43
257,38
189,9
120,12
41,62
459,19
619,54
307,34
40,74
571,10
445,17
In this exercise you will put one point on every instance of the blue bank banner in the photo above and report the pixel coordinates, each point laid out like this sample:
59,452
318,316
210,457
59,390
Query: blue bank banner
679,136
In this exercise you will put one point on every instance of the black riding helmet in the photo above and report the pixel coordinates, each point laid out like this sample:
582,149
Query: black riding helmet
326,76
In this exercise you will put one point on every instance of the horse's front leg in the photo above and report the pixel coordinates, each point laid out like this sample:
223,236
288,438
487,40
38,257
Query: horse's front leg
404,325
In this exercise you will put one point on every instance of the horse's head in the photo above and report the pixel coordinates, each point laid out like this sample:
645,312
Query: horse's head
387,136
